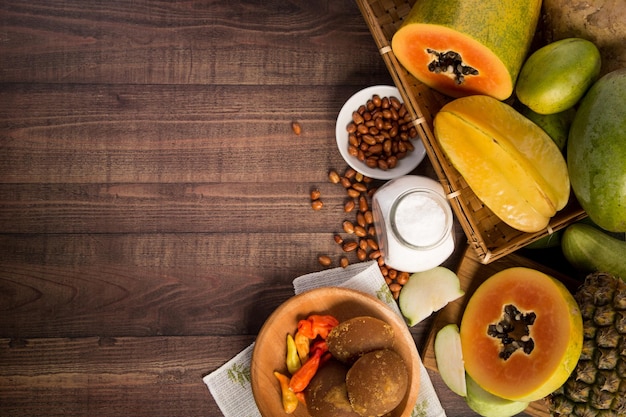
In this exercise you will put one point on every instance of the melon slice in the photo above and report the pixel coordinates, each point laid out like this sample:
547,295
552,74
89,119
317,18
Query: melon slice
489,405
449,357
510,163
428,291
467,47
521,334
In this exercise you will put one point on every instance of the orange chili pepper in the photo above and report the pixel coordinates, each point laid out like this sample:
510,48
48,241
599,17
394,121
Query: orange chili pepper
302,346
289,398
300,380
317,325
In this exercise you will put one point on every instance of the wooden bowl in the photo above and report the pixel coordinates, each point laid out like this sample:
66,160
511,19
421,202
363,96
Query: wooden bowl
270,347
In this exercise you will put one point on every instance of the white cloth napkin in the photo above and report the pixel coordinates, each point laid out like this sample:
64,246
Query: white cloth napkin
230,384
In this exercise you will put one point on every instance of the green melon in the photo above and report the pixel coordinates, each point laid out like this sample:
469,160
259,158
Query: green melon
467,47
596,152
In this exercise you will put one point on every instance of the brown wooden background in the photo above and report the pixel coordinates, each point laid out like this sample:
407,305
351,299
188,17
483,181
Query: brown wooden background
154,201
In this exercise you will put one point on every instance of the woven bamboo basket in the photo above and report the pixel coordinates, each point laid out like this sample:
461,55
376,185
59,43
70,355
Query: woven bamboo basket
490,237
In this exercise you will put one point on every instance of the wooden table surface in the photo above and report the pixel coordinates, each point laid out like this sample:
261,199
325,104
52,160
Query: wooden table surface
154,200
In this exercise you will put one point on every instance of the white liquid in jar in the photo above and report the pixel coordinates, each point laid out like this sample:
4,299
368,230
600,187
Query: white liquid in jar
413,221
419,220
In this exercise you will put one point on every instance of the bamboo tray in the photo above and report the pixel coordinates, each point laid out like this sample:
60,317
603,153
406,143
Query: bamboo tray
472,272
489,237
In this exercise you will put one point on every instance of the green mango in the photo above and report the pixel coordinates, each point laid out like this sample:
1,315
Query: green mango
589,250
556,76
556,125
596,152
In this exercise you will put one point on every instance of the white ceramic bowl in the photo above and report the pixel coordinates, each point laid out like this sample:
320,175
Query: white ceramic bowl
404,166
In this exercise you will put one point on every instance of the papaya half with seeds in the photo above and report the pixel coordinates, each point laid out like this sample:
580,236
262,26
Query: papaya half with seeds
467,47
510,163
521,334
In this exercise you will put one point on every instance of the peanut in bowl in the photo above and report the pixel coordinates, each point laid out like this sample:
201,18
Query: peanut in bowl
344,304
375,137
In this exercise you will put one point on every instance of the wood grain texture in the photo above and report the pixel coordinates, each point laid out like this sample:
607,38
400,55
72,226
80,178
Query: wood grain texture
139,376
186,42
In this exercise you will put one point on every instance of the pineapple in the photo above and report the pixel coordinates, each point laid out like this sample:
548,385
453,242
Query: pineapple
597,387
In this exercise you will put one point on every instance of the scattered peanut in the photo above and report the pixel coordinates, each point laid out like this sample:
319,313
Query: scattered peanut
360,189
350,246
317,205
348,227
297,129
324,260
360,219
349,206
333,177
363,204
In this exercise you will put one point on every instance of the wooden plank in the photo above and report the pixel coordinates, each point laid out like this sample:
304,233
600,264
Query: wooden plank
150,284
152,134
147,42
472,273
164,208
146,376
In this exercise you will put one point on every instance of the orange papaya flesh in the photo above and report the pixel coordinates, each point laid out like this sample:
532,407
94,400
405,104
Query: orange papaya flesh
521,334
467,47
444,75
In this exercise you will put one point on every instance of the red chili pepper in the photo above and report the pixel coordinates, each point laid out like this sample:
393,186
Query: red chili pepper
317,325
300,380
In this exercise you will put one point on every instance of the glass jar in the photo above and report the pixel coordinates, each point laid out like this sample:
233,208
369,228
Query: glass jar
413,222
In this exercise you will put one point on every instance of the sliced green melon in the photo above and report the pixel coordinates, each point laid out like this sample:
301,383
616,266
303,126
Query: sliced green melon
489,405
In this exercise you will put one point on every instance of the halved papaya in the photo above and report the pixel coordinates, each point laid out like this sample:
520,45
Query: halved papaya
521,334
467,47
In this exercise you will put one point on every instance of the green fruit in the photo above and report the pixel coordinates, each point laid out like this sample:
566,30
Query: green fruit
489,405
556,125
592,250
556,76
449,356
549,241
596,152
427,292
